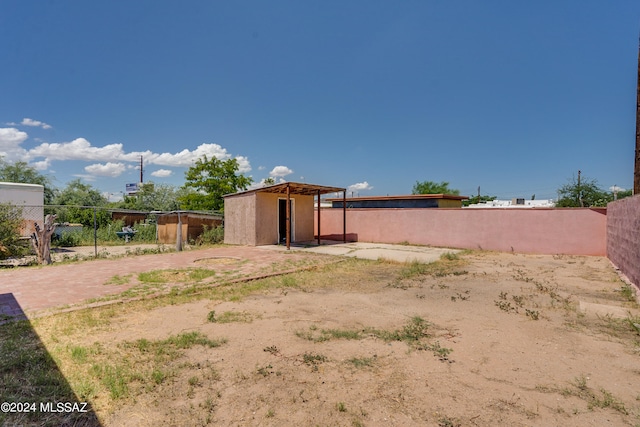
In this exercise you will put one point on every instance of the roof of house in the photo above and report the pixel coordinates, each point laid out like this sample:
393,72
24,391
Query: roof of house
405,197
294,188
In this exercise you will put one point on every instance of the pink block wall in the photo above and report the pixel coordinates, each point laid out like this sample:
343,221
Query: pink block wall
623,236
538,231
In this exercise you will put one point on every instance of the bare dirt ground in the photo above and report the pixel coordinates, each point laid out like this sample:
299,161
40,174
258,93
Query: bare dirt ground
500,339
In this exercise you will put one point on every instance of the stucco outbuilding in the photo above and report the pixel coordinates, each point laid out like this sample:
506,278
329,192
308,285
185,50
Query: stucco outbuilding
280,213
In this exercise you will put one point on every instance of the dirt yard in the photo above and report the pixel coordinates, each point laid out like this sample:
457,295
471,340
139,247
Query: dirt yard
482,339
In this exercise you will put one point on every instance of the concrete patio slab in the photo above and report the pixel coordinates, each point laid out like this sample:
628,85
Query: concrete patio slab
372,251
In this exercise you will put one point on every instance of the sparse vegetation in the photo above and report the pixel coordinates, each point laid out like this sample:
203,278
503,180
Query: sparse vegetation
118,368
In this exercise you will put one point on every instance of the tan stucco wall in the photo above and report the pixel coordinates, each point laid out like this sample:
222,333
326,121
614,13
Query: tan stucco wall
267,218
252,219
575,231
240,219
305,216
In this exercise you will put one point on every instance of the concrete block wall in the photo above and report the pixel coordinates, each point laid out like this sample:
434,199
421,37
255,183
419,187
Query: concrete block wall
623,236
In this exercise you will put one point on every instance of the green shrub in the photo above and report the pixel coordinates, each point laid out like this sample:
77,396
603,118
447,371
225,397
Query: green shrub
68,239
10,222
211,236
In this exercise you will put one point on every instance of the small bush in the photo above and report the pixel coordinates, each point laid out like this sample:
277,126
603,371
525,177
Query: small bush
10,222
211,236
68,240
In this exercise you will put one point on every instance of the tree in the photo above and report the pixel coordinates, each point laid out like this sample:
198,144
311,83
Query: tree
475,200
583,192
79,198
41,239
153,197
21,172
211,179
431,187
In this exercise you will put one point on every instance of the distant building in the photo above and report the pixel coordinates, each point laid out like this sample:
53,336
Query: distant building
515,203
407,201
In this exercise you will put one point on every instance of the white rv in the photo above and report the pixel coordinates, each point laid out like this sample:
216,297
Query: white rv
30,198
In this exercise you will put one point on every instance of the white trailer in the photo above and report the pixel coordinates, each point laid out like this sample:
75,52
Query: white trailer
29,198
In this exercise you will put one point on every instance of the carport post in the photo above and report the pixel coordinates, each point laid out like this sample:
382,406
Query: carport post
288,216
318,217
344,216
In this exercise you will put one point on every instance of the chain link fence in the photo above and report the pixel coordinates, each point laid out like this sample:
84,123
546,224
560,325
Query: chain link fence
107,226
95,225
31,215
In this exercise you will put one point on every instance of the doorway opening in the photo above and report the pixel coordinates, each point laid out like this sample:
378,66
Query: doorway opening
282,220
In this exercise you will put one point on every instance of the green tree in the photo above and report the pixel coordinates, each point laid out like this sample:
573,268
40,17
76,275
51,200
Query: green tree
10,222
80,198
211,179
585,193
21,172
153,197
475,200
431,187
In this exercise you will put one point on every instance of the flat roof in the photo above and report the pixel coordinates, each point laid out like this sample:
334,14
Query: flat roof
406,197
294,188
21,186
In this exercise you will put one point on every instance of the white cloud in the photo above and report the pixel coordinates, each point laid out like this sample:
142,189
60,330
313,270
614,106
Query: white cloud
112,158
10,140
109,169
280,171
162,173
78,149
614,188
186,158
360,186
34,123
86,177
42,165
243,164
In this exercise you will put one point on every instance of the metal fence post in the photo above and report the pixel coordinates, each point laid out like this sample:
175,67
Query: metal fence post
95,233
179,234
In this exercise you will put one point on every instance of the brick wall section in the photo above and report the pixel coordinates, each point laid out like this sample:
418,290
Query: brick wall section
623,236
537,231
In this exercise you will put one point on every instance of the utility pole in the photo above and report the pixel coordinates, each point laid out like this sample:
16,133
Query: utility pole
636,171
580,191
141,171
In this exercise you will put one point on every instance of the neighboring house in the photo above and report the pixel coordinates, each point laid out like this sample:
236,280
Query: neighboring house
407,201
260,216
515,203
29,198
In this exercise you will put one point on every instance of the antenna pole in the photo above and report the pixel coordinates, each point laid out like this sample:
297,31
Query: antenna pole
636,171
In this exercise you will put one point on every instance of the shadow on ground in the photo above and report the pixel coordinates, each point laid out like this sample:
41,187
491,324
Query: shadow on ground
33,391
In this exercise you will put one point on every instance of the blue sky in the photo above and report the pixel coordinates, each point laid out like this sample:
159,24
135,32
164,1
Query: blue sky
512,96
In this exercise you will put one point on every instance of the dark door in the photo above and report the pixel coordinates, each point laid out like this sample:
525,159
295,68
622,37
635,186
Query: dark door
282,219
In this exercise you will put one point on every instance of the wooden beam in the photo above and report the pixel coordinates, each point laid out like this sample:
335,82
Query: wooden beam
288,215
318,217
344,216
